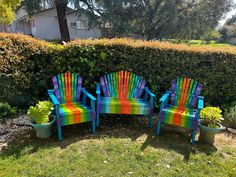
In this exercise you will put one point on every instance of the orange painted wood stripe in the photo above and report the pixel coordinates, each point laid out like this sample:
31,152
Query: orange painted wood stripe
186,91
76,112
182,92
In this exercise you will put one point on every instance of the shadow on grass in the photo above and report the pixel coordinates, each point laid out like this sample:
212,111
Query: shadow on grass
178,140
171,138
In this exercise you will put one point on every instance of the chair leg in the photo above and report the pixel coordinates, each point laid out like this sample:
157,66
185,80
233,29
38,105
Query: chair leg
97,120
150,121
59,133
158,128
193,137
93,126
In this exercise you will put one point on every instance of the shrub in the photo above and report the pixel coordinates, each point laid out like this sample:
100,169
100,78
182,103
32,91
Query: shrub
23,66
40,112
28,65
6,111
230,117
210,116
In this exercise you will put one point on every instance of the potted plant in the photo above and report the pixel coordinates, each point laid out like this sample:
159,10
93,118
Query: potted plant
41,118
209,124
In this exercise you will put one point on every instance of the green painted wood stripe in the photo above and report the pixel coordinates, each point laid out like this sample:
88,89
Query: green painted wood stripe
192,93
136,86
130,85
75,86
111,85
180,90
116,84
63,87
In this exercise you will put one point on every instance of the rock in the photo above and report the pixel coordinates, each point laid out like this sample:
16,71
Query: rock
231,130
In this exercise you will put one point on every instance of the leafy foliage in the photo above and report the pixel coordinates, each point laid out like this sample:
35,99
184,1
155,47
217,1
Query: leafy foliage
27,66
230,116
7,14
211,35
158,18
6,110
211,116
228,31
40,113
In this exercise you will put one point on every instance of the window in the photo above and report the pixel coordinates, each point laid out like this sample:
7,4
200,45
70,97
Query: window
81,24
73,24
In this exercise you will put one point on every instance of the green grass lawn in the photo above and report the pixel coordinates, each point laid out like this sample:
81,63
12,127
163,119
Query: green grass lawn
199,43
125,147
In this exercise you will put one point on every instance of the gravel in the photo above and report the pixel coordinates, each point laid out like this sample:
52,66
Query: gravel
11,127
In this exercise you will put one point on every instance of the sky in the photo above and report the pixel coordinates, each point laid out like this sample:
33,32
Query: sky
228,15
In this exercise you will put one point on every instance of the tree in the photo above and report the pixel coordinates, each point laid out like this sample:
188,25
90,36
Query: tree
33,6
7,9
228,30
212,35
160,18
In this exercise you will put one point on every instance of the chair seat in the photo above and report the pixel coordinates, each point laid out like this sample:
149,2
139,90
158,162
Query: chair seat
179,116
123,106
72,113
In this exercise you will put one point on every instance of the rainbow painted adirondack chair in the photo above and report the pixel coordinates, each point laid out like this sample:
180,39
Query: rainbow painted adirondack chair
122,92
69,105
184,95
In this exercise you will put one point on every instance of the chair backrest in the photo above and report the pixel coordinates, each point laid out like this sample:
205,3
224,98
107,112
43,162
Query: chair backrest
122,85
184,92
67,87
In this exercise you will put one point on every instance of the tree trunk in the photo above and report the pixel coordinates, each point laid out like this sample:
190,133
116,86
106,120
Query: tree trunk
61,15
150,36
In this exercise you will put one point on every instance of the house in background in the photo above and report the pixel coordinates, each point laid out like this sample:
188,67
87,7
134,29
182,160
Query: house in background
44,25
4,28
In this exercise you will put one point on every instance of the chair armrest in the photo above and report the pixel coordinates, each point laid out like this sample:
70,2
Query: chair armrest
98,86
200,106
92,98
164,100
152,95
53,97
200,102
88,94
149,92
165,96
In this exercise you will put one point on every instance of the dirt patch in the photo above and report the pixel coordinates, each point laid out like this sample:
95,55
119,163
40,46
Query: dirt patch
12,127
135,129
225,138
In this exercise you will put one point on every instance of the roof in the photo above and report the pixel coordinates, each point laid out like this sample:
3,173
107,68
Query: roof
26,16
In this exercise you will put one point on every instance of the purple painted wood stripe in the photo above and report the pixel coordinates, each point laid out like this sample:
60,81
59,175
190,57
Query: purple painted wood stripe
103,86
173,90
198,90
99,110
56,88
79,85
140,90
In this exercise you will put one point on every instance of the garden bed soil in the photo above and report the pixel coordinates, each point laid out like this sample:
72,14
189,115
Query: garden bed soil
8,129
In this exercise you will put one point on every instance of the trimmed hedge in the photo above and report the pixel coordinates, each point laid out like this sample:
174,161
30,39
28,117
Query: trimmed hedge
31,63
